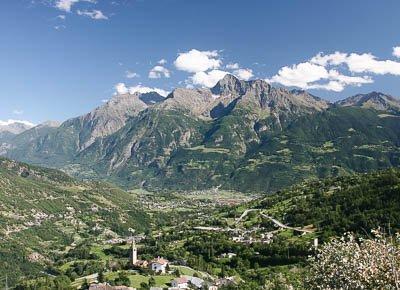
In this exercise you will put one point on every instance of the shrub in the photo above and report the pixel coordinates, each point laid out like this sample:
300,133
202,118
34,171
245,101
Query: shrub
350,263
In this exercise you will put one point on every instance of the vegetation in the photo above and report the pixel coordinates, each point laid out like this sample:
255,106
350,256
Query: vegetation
44,211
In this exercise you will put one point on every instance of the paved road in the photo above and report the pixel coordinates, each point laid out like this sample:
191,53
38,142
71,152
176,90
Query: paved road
275,221
279,224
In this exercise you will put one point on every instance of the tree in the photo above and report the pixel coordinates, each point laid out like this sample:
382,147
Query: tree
144,286
350,263
100,277
122,279
85,285
152,282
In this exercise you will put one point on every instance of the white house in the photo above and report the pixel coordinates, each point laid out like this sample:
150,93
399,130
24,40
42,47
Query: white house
159,265
180,283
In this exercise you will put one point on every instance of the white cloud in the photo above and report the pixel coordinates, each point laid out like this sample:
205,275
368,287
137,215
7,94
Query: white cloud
300,75
232,66
359,63
121,88
195,61
94,14
66,5
130,74
62,17
244,73
396,51
144,90
10,122
162,61
313,75
331,59
158,72
207,79
18,112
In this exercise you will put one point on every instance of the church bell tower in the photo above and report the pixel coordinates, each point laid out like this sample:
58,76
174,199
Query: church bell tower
133,258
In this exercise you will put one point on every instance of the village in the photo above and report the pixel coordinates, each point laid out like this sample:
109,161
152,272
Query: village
161,267
172,272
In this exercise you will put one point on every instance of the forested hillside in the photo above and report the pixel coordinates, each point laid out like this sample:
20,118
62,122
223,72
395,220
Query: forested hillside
43,211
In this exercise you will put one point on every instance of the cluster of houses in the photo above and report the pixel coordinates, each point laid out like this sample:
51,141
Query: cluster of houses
180,283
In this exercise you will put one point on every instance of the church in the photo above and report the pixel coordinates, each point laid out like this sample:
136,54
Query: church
157,265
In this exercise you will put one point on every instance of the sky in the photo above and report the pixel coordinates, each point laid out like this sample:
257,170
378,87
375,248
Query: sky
62,58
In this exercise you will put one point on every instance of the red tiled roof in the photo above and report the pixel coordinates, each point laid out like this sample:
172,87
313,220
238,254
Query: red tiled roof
160,261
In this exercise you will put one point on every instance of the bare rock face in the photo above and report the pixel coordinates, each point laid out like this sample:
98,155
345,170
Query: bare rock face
111,117
373,100
191,101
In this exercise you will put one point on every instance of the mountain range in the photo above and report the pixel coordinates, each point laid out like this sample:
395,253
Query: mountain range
244,135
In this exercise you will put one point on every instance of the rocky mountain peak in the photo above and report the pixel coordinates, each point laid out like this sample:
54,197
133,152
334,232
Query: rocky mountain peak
374,100
228,85
49,123
14,126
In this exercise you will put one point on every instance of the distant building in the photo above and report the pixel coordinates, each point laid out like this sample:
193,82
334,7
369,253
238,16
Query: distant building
159,265
180,283
195,282
228,255
106,286
142,264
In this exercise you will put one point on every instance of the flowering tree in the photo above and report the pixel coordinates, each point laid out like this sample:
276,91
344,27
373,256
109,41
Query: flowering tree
350,263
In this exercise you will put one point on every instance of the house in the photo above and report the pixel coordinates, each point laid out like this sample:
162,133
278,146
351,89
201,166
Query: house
142,264
106,286
225,281
195,282
228,255
159,265
180,283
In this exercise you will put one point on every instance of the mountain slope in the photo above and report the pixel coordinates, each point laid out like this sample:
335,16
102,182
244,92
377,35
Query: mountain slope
58,146
229,118
373,100
243,135
14,127
44,210
356,203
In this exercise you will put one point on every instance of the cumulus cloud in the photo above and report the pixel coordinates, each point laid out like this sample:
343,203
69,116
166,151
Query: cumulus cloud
314,75
244,73
396,51
232,65
10,122
300,75
162,61
158,72
359,63
94,14
195,61
130,74
66,5
327,71
121,89
208,79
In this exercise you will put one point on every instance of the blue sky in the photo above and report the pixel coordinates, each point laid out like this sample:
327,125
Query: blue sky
62,58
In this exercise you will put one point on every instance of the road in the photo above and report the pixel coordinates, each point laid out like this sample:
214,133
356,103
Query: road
275,221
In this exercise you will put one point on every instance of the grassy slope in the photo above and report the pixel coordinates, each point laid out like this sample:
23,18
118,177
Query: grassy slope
45,210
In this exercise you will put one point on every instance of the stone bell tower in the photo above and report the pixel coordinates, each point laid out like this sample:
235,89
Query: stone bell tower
133,256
